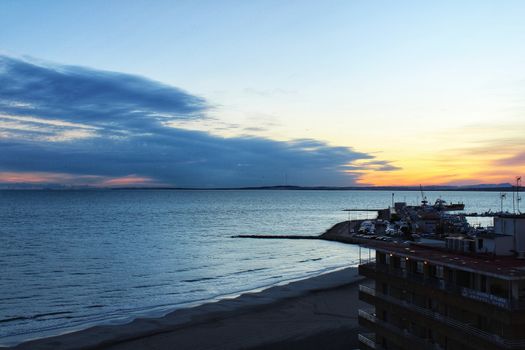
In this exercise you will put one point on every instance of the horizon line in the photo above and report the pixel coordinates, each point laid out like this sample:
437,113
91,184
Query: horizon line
476,187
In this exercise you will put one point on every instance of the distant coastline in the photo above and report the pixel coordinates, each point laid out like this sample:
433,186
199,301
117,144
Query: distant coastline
481,187
472,188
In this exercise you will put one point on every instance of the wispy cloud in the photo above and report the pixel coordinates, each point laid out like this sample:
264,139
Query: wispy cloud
517,159
67,124
93,97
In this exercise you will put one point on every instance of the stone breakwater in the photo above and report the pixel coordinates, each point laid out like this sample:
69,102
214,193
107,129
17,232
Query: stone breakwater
340,232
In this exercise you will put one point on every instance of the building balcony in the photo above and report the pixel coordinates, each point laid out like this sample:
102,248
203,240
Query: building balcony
450,327
368,341
400,337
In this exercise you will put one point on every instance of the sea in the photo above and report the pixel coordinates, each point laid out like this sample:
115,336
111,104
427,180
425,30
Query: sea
73,259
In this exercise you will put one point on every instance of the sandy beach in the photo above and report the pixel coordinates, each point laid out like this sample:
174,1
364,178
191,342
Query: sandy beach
317,312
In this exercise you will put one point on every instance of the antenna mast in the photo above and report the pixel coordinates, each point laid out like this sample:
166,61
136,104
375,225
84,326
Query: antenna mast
518,198
502,196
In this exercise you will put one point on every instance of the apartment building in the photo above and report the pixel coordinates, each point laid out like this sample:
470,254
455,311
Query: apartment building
428,297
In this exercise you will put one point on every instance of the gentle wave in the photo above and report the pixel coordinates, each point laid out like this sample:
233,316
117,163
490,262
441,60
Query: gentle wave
34,317
93,254
125,315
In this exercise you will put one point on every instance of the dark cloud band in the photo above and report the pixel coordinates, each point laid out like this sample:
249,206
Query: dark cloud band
74,120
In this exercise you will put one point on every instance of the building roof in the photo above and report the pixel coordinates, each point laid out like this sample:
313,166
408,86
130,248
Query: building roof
505,267
510,215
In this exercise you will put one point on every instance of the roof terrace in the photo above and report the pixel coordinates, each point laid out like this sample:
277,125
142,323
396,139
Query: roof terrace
505,267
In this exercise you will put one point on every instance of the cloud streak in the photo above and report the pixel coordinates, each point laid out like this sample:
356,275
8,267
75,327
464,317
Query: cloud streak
90,96
67,124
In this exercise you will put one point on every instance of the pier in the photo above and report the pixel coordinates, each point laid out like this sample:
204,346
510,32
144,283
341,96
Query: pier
362,209
277,236
340,232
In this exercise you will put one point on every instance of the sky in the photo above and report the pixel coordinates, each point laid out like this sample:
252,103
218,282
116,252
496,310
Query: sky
258,93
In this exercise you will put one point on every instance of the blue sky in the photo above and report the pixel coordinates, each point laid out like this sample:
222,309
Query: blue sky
403,83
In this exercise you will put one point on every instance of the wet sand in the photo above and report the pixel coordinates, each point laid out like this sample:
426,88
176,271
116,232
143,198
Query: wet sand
319,312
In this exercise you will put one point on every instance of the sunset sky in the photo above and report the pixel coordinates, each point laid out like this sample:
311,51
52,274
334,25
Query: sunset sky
252,93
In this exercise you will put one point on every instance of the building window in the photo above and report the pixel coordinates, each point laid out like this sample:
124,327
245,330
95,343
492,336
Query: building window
396,262
483,283
381,258
463,278
419,267
439,271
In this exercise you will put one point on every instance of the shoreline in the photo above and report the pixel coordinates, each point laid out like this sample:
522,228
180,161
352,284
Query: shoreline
105,336
159,312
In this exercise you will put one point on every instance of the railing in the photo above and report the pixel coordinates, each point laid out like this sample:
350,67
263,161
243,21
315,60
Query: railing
417,342
449,287
368,315
508,343
369,340
367,290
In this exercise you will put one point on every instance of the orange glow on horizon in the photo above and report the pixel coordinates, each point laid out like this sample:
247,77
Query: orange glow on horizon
127,181
42,178
468,171
32,177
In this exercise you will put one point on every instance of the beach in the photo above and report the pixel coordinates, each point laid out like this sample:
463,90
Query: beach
320,311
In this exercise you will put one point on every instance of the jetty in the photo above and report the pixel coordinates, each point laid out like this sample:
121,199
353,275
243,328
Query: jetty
358,209
340,232
277,237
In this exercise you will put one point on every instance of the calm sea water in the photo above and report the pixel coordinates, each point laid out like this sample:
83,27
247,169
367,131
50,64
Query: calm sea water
71,259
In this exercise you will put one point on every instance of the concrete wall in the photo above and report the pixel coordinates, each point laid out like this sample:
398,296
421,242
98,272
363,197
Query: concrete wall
514,226
499,245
